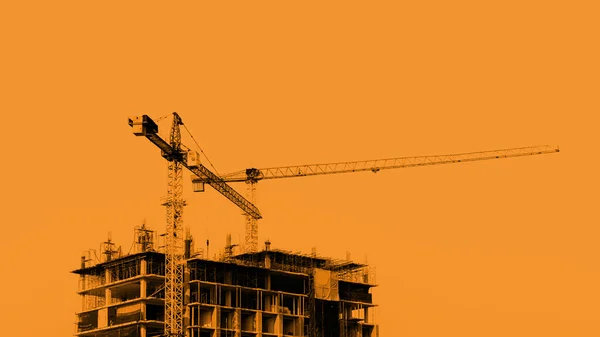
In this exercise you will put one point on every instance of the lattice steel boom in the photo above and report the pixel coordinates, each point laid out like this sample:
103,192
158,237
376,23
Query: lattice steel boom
145,126
252,175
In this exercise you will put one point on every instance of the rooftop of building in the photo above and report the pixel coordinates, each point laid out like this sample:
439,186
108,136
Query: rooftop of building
277,257
268,258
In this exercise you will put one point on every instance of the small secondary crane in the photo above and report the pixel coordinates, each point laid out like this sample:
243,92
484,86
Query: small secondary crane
251,176
179,156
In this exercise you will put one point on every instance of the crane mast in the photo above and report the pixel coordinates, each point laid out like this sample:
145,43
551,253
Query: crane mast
251,237
174,236
251,176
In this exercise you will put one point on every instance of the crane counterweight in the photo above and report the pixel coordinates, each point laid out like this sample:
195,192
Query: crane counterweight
143,125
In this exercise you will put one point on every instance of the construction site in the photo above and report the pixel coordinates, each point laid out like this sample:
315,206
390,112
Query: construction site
169,284
270,292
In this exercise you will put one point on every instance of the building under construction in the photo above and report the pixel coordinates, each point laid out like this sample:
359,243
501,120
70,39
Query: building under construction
265,293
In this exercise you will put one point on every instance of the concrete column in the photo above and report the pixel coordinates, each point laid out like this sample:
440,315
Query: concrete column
143,295
279,324
267,261
107,292
143,267
143,288
186,300
107,277
259,324
259,300
217,320
108,296
268,281
228,298
237,322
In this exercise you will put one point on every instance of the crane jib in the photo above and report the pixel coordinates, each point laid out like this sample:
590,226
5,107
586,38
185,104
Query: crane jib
145,126
254,174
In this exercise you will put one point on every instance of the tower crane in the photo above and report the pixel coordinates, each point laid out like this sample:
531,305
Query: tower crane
251,176
179,156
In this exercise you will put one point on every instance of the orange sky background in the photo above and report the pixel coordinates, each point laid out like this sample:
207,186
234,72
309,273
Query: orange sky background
495,248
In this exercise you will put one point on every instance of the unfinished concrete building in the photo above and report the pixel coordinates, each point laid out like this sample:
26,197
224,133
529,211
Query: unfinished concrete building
267,293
